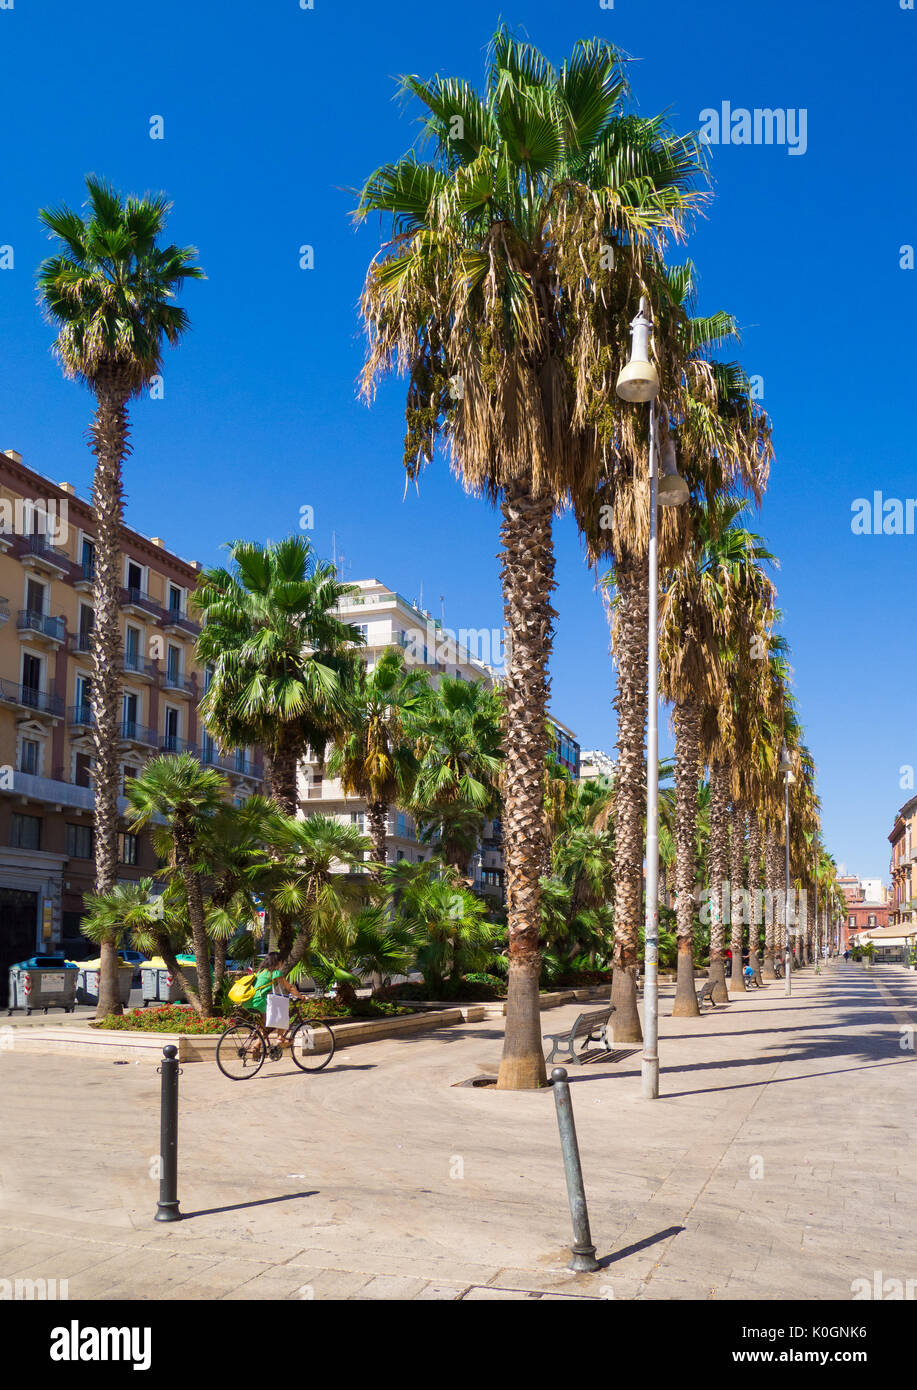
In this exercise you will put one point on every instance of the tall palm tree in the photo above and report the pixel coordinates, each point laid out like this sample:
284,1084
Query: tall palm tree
110,291
460,753
716,582
186,796
374,756
280,658
485,297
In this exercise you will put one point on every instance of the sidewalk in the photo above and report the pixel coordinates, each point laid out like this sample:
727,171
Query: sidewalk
777,1163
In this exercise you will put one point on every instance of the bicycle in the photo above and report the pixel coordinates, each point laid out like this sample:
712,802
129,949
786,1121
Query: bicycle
245,1046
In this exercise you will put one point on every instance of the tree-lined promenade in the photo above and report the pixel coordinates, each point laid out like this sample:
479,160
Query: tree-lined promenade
523,238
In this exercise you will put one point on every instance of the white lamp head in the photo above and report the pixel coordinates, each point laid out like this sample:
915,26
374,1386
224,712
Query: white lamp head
672,490
639,380
786,762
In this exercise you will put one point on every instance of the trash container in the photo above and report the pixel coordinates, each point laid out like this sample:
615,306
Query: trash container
42,982
158,984
87,984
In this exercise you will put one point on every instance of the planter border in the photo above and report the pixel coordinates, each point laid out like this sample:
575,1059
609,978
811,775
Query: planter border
122,1044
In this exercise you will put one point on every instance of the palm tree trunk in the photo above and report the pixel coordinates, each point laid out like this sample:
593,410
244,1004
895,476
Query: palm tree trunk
719,853
527,573
377,816
770,859
282,766
190,879
109,431
687,760
754,891
737,880
631,624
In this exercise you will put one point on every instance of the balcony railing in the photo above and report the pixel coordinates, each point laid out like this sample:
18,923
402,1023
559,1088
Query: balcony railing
174,617
42,549
135,665
83,572
28,698
31,621
134,732
81,716
173,680
139,598
81,642
4,610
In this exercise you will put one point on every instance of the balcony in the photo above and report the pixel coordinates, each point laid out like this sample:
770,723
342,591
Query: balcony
83,576
80,717
138,602
175,621
132,732
41,625
237,764
37,552
24,697
173,680
132,664
81,643
4,611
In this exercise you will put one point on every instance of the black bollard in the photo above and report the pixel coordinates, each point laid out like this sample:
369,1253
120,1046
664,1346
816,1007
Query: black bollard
582,1251
167,1206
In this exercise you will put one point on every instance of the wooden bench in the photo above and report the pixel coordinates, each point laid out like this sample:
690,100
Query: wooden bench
590,1027
706,993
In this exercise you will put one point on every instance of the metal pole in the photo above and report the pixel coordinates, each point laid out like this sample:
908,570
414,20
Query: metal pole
167,1207
582,1252
787,962
650,1065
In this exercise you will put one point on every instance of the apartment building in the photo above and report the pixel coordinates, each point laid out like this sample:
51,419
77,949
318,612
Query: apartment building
388,619
47,555
594,764
903,840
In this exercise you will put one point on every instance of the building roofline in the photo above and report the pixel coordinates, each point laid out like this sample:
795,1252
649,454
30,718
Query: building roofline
40,481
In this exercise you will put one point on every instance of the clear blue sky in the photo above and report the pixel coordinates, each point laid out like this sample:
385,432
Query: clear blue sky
272,114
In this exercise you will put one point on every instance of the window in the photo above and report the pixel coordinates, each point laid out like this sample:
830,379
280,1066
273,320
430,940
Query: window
79,841
128,848
25,831
129,774
29,752
34,596
129,715
175,599
171,735
132,648
87,623
82,774
88,558
134,576
173,665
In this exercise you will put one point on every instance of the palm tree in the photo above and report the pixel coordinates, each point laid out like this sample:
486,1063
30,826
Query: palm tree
718,580
460,753
374,757
484,297
308,891
447,922
280,659
110,290
186,797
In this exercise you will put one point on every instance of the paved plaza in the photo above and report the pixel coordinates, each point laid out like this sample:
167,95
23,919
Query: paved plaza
778,1163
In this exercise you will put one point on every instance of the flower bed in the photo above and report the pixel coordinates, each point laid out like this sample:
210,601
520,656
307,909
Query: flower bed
181,1018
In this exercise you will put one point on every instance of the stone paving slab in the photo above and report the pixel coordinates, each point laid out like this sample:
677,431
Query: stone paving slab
776,1163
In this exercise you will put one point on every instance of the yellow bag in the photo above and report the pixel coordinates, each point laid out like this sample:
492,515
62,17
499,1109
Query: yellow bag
243,989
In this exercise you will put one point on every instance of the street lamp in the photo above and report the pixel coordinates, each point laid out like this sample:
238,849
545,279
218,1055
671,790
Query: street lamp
639,382
786,767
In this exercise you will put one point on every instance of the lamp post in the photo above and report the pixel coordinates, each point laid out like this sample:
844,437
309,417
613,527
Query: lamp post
639,382
786,767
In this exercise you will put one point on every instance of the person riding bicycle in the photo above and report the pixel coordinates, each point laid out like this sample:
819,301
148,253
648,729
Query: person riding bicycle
266,980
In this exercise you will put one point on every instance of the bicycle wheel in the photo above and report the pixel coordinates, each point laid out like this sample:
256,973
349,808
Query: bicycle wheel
312,1044
241,1051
